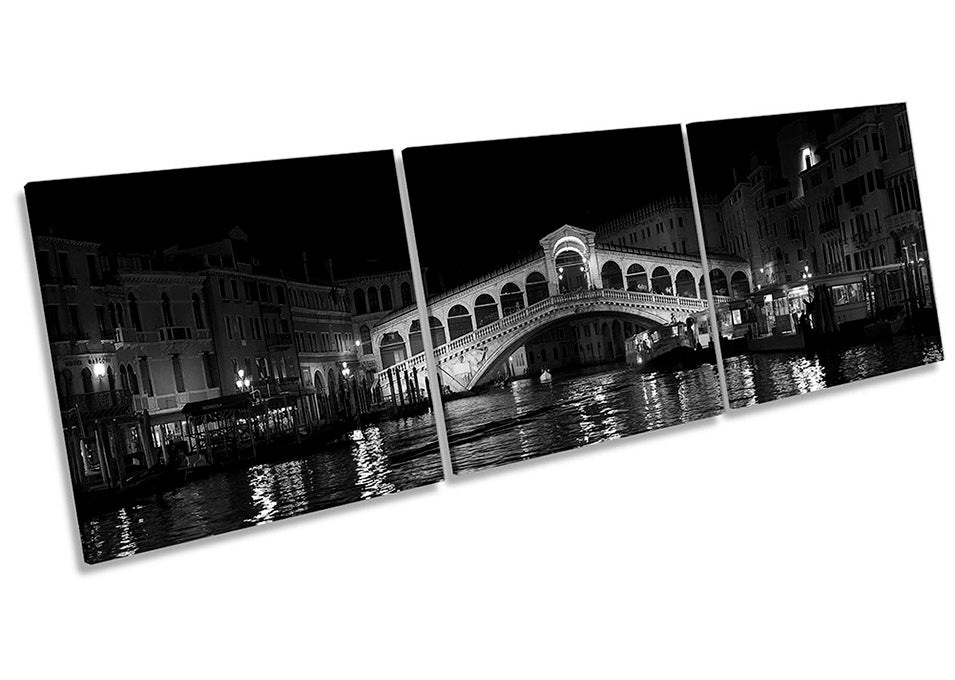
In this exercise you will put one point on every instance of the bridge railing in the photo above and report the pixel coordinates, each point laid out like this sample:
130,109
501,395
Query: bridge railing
516,317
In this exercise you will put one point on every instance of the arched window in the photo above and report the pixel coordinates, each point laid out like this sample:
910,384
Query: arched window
113,319
110,378
392,349
133,382
360,307
685,285
134,312
87,378
718,282
459,321
660,282
536,287
611,276
166,311
485,310
365,334
319,384
637,279
123,378
407,297
739,284
512,299
197,311
373,304
386,303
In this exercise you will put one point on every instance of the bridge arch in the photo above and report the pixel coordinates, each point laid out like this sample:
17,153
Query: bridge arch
637,278
512,298
661,282
438,336
685,284
572,274
485,310
392,349
718,282
536,286
611,276
459,322
496,353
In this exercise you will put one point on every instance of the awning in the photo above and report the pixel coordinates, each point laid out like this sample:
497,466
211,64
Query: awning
227,403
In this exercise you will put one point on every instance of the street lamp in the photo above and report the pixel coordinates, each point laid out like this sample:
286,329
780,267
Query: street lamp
242,381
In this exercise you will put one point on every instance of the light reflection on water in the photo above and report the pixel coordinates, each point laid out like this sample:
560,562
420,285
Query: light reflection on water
758,378
374,461
529,419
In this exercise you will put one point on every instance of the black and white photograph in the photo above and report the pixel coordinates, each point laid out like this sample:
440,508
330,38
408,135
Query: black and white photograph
824,208
566,294
210,331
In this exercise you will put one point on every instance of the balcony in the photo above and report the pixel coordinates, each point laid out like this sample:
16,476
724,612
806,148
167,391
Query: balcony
904,221
278,341
99,404
170,333
168,403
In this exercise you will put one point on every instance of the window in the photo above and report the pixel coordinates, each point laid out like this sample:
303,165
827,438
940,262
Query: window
144,377
43,266
177,373
209,369
235,289
197,311
222,293
166,311
229,332
74,315
63,261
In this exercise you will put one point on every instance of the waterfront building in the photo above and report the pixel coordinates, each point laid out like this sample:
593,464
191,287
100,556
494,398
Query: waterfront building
834,203
164,346
251,320
327,350
130,347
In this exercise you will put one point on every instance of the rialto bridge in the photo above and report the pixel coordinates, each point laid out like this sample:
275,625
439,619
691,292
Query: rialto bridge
475,327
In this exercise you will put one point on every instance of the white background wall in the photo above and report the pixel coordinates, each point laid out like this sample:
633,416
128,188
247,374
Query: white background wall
806,539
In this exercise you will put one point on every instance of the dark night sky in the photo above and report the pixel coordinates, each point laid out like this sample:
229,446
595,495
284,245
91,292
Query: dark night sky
717,147
345,207
481,205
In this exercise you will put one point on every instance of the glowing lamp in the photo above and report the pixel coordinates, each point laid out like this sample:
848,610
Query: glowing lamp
99,370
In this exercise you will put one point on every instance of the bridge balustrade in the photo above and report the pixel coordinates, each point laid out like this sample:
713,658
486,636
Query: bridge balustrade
689,304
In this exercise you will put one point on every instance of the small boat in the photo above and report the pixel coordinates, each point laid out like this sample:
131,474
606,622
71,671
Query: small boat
545,376
670,344
889,322
777,342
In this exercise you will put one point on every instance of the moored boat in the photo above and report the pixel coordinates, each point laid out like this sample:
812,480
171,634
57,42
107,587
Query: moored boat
672,344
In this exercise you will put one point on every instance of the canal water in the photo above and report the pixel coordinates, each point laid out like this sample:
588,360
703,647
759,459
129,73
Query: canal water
529,419
758,378
377,460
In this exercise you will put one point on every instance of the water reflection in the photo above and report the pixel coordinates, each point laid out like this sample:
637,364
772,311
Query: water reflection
758,378
373,461
529,419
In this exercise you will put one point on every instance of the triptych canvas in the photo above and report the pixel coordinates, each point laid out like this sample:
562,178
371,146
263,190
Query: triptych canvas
238,344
